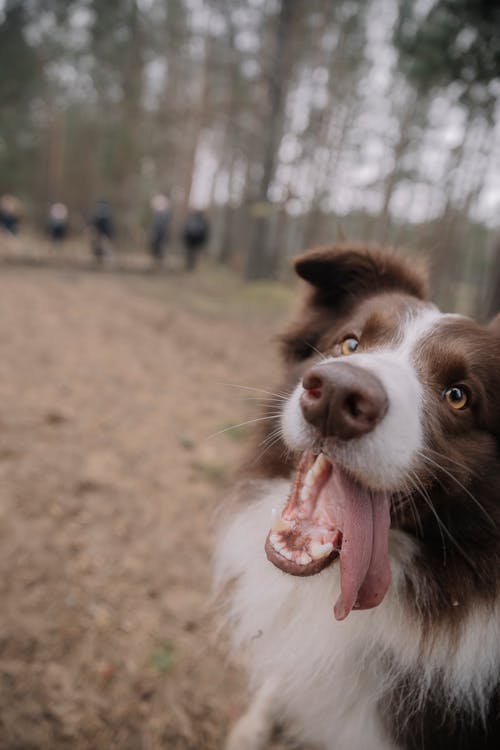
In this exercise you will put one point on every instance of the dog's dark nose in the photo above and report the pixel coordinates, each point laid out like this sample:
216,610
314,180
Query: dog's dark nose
342,400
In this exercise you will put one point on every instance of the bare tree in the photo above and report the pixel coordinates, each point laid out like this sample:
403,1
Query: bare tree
274,87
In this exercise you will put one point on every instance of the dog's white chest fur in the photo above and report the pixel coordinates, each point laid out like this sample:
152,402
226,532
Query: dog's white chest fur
326,678
326,673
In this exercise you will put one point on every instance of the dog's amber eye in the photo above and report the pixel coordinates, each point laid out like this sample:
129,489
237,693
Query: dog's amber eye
349,345
457,396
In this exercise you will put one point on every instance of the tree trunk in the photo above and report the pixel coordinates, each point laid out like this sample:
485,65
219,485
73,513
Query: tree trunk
493,294
257,266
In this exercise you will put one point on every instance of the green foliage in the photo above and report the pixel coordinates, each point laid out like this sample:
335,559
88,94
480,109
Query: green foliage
18,62
458,41
20,79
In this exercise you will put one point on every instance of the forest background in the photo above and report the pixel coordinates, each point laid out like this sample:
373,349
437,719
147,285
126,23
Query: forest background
283,118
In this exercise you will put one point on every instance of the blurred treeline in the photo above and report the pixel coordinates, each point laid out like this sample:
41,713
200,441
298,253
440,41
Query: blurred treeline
282,117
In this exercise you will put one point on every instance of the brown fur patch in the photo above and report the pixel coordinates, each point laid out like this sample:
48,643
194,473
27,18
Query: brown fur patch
459,471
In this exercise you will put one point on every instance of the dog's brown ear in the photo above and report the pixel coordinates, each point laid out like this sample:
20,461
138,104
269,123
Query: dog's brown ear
346,271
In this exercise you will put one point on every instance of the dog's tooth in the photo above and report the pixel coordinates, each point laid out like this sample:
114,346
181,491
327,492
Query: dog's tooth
321,463
304,493
308,483
315,548
286,553
274,539
327,548
318,550
315,469
304,558
277,545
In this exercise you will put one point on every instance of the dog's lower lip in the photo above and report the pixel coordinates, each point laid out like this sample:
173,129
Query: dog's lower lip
302,541
303,568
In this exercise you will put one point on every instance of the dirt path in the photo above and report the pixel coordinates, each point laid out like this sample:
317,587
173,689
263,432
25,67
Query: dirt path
108,390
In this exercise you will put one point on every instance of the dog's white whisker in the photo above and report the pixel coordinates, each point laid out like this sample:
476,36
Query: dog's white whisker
441,526
243,424
267,444
440,467
271,437
314,349
406,498
257,390
451,460
264,399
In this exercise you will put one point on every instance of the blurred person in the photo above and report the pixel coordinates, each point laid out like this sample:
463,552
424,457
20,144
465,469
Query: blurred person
195,236
160,227
102,230
10,213
57,222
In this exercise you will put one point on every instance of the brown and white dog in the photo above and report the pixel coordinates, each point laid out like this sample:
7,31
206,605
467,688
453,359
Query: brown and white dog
364,550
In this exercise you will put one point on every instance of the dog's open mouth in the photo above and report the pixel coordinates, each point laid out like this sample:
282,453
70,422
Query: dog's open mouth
330,515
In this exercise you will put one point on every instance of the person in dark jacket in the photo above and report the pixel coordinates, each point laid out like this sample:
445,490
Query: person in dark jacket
195,236
57,222
102,230
10,213
160,227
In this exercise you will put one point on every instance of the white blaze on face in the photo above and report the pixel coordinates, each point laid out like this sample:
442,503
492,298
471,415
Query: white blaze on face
382,457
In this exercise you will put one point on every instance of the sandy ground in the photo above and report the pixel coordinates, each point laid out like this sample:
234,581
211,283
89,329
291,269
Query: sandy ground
110,384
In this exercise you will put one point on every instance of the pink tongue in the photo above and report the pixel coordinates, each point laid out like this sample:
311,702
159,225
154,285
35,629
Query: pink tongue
364,519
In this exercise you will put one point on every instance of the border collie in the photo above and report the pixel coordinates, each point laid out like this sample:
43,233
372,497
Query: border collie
361,560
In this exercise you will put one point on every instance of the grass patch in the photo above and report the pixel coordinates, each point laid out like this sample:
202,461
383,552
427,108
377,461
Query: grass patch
163,657
216,292
187,442
212,470
271,294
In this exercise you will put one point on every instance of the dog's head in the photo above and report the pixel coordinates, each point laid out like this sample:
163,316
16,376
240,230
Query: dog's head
393,413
